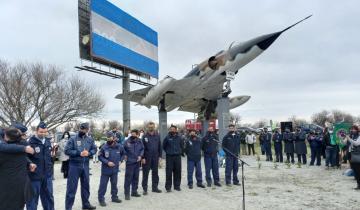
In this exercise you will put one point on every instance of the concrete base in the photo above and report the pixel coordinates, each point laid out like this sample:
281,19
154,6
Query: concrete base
223,116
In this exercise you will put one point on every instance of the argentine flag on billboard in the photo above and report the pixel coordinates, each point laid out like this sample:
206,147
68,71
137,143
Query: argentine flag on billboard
119,38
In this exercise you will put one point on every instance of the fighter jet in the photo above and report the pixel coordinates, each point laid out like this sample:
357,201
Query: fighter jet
199,90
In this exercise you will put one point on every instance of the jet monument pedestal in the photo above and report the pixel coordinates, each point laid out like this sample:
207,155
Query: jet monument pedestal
223,115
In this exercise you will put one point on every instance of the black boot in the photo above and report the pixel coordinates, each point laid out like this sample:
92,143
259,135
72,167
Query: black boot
116,200
102,203
156,190
90,207
135,194
127,197
201,185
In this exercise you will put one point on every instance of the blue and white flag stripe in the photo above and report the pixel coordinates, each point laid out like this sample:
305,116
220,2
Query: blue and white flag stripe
110,50
120,38
119,35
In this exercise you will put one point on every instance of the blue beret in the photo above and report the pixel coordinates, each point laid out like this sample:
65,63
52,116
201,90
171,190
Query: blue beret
84,126
110,134
42,125
21,127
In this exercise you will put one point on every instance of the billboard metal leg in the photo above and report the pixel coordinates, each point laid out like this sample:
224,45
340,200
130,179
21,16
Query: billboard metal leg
223,115
126,102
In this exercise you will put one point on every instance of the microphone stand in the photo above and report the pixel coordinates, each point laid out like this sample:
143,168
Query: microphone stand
242,171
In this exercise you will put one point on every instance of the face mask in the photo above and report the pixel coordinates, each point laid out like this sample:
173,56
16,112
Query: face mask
66,136
81,133
110,142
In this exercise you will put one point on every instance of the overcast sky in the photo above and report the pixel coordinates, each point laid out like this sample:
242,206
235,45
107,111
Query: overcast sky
312,67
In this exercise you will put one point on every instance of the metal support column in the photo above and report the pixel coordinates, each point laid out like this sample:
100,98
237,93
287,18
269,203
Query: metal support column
223,115
205,127
163,130
126,102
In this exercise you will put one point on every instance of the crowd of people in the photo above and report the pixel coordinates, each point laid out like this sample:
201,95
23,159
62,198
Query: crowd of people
28,162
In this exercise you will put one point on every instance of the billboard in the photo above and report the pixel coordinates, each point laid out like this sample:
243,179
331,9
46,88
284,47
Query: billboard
109,35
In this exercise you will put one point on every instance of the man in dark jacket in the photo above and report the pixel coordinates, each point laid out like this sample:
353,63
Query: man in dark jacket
14,178
231,147
261,141
266,139
110,155
134,150
278,147
41,178
173,146
243,142
118,137
300,145
15,148
152,157
193,152
288,139
315,141
210,146
79,148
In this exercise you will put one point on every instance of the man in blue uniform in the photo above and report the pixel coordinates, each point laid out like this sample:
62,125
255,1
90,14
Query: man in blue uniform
266,139
41,178
315,141
231,146
110,155
173,146
210,146
134,150
152,157
193,152
118,137
79,148
278,147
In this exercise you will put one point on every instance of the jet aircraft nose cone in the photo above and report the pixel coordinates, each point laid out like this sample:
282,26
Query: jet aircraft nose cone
267,40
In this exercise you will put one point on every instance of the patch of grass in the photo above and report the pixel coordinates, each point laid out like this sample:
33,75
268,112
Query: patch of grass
253,194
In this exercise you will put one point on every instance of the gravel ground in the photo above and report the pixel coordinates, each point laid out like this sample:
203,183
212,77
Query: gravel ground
266,188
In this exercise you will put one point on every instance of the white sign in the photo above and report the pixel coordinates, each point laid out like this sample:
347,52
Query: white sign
230,75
